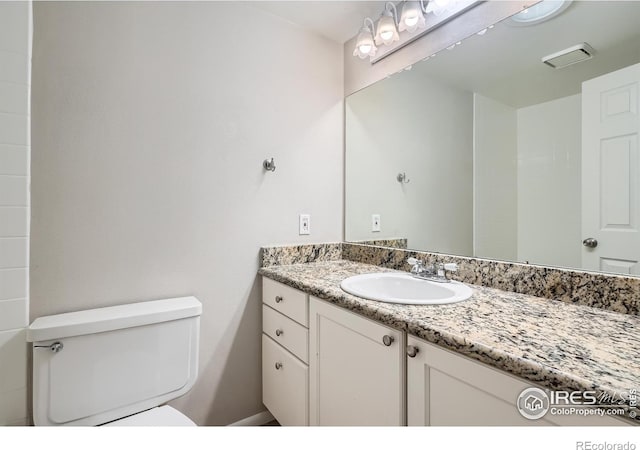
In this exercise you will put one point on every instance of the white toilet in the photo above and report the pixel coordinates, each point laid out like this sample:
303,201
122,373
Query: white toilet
115,365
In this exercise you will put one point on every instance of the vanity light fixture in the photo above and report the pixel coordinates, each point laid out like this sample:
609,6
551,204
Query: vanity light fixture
387,29
439,7
412,17
418,18
365,45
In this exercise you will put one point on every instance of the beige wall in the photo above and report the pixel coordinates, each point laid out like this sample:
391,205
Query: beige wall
360,73
150,125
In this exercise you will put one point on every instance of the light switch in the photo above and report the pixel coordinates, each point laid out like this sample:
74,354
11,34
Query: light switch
375,222
305,224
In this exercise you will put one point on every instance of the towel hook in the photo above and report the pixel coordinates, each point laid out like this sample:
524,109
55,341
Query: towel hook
402,178
269,165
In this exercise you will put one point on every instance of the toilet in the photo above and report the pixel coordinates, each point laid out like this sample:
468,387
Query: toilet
115,366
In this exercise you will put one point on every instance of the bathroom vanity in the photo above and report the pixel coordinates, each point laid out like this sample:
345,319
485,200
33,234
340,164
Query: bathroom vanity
330,358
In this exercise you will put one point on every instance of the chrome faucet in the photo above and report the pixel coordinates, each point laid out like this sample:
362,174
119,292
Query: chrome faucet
436,272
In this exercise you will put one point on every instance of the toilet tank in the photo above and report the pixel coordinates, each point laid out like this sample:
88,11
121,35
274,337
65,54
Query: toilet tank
113,362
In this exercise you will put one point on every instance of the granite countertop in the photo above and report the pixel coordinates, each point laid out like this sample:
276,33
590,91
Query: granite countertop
552,343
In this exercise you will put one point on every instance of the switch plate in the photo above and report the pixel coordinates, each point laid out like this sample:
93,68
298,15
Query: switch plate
305,224
375,222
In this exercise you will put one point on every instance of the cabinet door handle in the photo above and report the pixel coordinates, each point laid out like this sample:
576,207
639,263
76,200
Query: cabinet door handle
387,340
278,299
278,365
412,351
279,332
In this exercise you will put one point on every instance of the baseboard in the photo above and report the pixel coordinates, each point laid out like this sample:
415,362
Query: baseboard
18,423
254,421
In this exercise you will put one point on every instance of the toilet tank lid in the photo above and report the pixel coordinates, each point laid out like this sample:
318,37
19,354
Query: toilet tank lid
112,318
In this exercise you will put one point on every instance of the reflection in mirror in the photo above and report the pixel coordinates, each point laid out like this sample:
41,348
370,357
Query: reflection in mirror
484,150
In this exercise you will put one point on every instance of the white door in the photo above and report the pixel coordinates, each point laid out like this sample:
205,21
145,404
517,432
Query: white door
611,172
356,369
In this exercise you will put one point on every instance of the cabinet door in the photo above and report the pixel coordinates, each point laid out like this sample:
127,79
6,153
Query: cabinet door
356,369
284,384
448,389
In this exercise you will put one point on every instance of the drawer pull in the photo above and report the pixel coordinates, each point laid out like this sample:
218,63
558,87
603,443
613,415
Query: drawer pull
412,351
278,365
279,332
387,340
278,299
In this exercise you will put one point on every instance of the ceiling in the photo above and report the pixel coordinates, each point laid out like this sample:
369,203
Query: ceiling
505,64
338,21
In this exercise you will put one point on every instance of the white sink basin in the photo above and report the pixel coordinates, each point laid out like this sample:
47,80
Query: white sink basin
403,288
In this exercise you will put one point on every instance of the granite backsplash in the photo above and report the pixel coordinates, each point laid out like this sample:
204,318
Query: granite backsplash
606,291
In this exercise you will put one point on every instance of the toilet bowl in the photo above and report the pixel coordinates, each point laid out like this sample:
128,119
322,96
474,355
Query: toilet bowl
164,416
115,366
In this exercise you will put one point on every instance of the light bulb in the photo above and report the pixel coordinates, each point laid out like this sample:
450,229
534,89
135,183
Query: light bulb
364,43
439,7
387,31
411,21
412,17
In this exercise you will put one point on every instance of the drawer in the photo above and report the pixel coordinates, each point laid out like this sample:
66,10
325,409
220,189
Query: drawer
287,300
291,335
285,386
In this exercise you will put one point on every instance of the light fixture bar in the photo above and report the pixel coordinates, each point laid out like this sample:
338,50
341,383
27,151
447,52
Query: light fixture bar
431,23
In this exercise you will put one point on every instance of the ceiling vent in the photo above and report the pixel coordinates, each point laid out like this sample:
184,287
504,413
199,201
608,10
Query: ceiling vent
568,56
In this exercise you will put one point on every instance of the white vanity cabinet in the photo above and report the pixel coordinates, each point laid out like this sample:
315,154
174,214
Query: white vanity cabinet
325,365
356,369
444,388
285,346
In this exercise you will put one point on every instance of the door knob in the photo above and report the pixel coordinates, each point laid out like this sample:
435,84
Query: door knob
387,340
412,351
590,242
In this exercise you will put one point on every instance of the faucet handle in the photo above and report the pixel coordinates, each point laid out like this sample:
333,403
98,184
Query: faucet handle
451,267
417,266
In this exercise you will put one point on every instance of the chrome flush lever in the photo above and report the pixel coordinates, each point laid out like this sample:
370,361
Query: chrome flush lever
55,347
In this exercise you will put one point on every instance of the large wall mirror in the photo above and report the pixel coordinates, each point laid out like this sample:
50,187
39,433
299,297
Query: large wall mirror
484,150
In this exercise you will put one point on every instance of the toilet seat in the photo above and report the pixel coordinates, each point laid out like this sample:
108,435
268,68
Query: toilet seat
163,416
